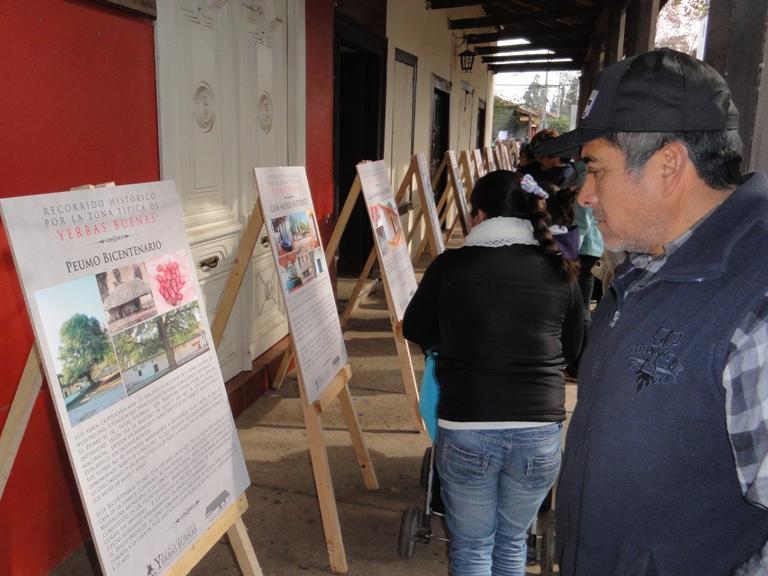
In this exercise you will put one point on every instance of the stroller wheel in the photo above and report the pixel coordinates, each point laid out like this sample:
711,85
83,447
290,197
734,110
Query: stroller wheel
409,529
425,466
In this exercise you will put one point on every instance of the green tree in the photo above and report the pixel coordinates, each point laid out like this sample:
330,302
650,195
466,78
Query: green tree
535,95
84,344
163,333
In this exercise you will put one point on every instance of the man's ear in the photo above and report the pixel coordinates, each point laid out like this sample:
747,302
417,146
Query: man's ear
673,162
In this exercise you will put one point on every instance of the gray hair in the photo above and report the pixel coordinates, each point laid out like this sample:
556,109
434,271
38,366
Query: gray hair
715,155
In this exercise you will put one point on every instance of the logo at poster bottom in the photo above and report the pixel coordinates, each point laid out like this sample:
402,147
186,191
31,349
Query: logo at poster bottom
159,562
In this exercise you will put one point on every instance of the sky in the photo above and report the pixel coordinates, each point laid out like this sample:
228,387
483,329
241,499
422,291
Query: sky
512,86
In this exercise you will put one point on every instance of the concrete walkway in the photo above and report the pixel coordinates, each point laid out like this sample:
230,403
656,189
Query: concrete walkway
284,518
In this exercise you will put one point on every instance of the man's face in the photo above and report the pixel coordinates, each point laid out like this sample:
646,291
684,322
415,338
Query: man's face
626,206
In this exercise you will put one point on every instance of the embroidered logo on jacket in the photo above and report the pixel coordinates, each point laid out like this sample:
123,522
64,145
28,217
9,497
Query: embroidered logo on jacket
655,363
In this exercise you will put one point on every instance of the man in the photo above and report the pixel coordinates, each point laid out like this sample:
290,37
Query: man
550,167
665,470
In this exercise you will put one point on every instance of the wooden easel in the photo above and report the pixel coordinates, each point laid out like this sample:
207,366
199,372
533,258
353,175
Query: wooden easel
469,176
229,522
338,388
490,165
480,170
405,184
459,195
403,354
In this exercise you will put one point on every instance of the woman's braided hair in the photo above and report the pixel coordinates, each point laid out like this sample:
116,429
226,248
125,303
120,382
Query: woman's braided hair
499,193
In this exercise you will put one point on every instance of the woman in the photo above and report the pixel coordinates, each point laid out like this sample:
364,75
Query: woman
562,224
505,313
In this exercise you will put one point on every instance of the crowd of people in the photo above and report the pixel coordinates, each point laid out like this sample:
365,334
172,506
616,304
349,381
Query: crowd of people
665,466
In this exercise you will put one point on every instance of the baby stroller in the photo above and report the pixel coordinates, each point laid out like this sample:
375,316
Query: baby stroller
416,526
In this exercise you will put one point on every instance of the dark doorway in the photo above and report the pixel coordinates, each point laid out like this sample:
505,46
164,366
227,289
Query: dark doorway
358,129
480,124
441,114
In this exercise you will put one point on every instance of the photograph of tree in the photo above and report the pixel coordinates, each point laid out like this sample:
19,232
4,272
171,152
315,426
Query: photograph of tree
85,361
152,349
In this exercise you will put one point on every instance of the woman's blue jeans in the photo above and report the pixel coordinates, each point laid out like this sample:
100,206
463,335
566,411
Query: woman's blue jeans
493,482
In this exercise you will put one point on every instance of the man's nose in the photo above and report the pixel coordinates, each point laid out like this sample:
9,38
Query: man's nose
586,197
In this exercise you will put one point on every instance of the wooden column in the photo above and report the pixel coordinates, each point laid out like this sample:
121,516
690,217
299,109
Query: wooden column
641,25
736,47
614,50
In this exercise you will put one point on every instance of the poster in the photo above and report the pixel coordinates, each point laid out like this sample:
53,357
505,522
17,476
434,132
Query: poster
123,336
289,218
427,196
391,245
458,192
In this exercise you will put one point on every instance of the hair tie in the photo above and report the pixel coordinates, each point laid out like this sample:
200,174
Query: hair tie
529,185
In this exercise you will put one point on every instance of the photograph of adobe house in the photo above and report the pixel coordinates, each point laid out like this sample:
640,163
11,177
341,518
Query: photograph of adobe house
127,296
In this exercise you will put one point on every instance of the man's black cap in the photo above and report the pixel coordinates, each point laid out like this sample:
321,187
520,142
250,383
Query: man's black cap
658,91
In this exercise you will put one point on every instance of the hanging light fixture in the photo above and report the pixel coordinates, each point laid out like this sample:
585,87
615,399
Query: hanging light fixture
466,60
467,57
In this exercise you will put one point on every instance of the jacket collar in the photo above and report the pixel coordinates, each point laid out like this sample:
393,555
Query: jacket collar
707,252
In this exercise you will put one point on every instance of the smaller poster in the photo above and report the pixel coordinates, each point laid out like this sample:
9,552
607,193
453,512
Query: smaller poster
289,218
429,209
391,246
458,192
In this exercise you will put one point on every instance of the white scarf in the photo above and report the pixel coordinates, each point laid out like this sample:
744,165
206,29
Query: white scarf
501,231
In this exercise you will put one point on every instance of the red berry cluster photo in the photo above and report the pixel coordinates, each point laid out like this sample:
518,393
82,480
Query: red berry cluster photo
170,282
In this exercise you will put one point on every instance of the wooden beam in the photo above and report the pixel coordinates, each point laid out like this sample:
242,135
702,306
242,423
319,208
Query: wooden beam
488,21
440,4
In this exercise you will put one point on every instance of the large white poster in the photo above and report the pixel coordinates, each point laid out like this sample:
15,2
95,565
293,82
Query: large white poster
427,196
391,246
458,191
122,332
289,217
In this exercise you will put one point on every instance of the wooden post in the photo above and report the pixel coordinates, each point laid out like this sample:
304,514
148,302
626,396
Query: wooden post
322,470
18,416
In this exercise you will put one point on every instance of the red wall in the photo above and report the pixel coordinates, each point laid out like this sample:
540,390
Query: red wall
78,106
319,124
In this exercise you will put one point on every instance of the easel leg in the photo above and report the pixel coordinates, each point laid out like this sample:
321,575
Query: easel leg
282,370
361,450
352,302
241,544
324,486
409,380
18,416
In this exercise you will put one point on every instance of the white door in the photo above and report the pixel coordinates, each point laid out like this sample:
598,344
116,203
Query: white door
401,140
229,100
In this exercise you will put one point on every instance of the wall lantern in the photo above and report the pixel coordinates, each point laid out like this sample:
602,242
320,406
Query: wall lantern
466,60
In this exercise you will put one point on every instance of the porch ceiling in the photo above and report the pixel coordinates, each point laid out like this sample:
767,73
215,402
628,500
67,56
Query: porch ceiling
562,27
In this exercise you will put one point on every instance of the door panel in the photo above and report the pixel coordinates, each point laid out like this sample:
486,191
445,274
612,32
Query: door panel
224,105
